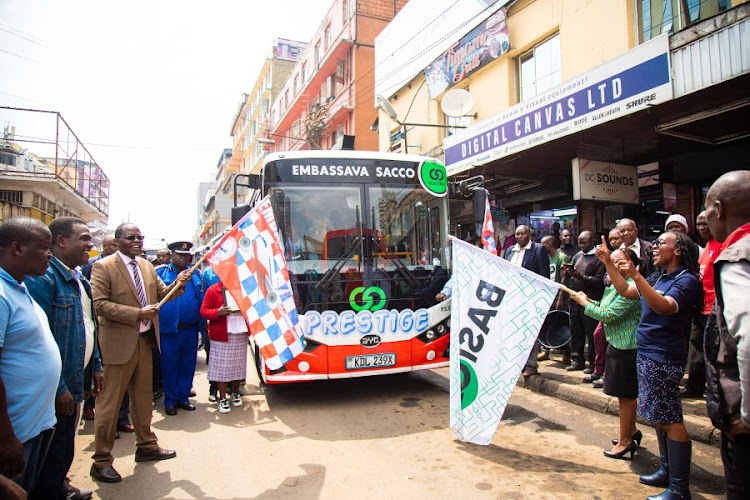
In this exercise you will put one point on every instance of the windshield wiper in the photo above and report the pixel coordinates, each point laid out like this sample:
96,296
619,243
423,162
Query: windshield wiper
411,280
350,250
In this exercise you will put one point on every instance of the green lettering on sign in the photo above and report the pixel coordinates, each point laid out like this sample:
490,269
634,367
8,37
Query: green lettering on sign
434,178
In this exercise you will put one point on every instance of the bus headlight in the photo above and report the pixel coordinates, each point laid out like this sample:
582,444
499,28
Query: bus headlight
430,335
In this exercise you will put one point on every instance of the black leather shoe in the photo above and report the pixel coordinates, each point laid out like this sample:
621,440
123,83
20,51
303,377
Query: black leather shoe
170,410
186,406
591,378
574,367
106,474
157,454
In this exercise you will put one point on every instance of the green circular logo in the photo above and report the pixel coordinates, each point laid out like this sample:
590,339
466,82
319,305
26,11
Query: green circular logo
434,178
469,384
367,302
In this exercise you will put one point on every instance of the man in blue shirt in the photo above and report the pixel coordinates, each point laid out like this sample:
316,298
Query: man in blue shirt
65,296
180,322
29,359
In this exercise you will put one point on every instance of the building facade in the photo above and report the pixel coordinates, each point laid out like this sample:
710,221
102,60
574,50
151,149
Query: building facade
215,201
48,179
578,113
327,102
250,123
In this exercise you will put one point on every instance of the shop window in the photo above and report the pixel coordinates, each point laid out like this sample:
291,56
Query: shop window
454,121
539,69
669,16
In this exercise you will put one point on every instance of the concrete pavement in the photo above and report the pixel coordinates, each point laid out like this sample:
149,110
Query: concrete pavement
380,437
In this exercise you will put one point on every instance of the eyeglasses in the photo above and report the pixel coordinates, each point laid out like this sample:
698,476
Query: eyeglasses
134,237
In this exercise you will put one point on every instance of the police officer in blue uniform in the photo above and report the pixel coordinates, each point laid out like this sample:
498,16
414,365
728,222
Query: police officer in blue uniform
180,323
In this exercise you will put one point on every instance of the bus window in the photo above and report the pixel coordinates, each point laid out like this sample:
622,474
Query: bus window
309,214
402,219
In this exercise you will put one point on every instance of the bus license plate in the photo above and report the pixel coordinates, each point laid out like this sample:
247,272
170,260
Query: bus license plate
370,361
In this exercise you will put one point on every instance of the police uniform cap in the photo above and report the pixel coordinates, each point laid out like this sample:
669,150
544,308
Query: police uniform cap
180,246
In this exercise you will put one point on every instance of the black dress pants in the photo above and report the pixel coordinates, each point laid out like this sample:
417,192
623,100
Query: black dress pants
581,330
50,483
696,362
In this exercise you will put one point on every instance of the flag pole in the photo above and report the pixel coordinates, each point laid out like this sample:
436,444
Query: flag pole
566,289
179,285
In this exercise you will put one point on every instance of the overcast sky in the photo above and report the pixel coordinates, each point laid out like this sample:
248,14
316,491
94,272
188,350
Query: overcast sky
160,79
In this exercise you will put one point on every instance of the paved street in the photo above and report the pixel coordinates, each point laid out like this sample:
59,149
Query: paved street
382,437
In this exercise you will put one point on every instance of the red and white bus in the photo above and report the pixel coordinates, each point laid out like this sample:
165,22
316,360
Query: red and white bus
364,235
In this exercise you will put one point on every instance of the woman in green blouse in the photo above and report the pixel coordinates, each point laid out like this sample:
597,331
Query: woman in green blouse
620,317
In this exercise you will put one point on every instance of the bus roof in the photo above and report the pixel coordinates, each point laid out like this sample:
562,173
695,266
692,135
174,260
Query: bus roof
345,154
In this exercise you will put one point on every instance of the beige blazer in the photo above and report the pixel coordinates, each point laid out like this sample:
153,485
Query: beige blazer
117,305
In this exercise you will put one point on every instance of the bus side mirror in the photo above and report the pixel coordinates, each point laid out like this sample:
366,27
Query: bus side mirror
239,212
253,181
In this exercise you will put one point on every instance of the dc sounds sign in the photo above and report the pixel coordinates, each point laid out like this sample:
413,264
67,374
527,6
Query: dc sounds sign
597,180
622,86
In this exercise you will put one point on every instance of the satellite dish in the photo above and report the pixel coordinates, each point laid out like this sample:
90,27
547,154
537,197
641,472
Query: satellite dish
457,103
386,107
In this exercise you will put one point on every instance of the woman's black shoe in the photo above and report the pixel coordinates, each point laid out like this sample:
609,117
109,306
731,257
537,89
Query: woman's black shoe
636,437
631,448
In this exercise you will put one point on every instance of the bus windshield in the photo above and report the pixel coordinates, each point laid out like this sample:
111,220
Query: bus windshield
362,230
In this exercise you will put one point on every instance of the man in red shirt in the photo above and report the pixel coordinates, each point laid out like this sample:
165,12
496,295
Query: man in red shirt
696,364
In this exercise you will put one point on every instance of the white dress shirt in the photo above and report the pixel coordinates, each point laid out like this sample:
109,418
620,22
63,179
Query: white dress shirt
88,321
518,253
145,324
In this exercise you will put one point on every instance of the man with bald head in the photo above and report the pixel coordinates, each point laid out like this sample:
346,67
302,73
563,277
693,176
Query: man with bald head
108,248
30,363
534,257
727,335
629,234
585,274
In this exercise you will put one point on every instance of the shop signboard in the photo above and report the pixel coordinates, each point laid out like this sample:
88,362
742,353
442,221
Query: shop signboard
480,46
289,49
601,181
629,83
648,174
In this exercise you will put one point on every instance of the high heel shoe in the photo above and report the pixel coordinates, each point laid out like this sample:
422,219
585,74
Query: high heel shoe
636,437
631,448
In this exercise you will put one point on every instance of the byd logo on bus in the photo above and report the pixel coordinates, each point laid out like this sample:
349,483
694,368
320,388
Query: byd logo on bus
373,298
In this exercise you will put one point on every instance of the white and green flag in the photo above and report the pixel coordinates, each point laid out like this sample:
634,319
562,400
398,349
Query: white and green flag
497,311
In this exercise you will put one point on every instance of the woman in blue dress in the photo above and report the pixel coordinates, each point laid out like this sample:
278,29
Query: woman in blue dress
669,299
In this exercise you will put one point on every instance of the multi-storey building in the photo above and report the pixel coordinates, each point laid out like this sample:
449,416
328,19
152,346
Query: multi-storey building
251,120
215,202
327,102
60,179
576,112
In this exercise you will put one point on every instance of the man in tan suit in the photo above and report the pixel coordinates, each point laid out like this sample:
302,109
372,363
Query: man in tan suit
126,291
